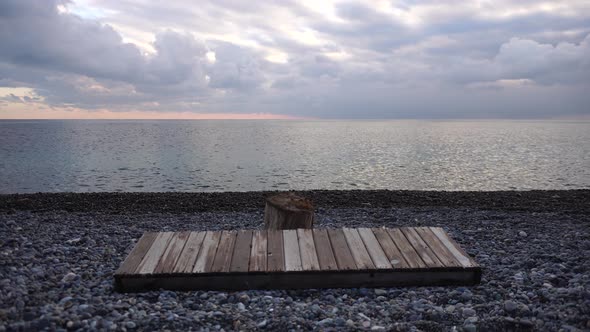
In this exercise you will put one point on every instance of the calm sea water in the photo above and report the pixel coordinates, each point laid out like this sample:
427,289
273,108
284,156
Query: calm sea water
82,156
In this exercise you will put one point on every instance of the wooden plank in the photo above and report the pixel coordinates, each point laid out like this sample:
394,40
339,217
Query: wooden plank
258,253
422,248
440,250
357,248
207,252
189,254
152,257
341,250
453,247
172,253
411,256
324,251
299,280
291,252
374,248
224,252
137,253
395,257
332,248
240,259
309,257
276,257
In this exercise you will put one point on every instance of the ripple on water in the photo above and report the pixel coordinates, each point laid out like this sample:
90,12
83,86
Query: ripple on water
419,155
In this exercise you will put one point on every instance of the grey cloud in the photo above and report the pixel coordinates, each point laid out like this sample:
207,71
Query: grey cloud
42,38
562,63
235,68
452,65
318,65
70,60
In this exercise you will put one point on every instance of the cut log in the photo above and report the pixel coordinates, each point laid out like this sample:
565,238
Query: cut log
288,211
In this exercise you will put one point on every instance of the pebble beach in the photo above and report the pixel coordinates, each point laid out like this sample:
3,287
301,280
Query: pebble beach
58,253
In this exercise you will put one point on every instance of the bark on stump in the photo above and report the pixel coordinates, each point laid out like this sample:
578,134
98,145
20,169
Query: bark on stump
288,211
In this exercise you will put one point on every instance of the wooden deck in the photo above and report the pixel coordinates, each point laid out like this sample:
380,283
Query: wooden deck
302,258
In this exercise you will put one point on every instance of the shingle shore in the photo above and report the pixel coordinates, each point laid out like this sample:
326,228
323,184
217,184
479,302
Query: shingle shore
58,253
573,201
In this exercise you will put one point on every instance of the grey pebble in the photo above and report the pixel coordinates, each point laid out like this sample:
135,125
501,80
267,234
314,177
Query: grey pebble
510,306
469,328
46,283
380,291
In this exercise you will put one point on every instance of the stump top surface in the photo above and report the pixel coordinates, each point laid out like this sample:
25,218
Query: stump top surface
291,202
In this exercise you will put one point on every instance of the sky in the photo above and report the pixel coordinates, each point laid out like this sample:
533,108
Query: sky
309,59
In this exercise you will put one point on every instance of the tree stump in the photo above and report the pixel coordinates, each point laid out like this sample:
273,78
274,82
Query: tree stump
288,211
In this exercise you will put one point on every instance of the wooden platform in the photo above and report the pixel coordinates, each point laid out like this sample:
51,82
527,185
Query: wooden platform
302,258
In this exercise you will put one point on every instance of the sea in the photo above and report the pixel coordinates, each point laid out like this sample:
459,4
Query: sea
254,155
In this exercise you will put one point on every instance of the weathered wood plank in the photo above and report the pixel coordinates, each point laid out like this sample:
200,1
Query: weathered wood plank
189,254
440,250
331,247
224,252
312,279
137,253
307,250
241,257
207,252
422,248
323,248
276,254
357,248
341,250
374,248
395,257
258,253
454,248
152,257
291,252
172,253
411,256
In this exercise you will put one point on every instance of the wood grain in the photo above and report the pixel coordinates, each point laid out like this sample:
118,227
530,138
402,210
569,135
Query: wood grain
439,249
207,252
324,251
307,250
172,253
291,252
152,257
258,253
336,264
357,248
189,254
421,248
454,248
374,249
341,250
412,258
395,257
140,249
224,252
241,257
276,256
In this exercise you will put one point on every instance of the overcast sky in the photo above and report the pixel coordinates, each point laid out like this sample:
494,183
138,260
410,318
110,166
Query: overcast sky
309,59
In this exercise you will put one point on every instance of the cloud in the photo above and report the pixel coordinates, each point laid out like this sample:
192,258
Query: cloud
545,63
82,62
331,59
235,68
